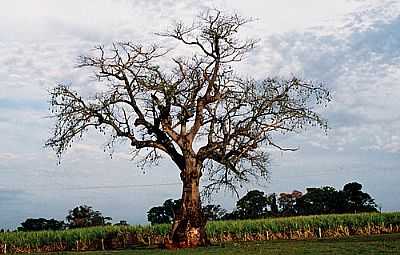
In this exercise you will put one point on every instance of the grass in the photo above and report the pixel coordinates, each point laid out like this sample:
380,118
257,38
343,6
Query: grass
218,231
325,222
360,245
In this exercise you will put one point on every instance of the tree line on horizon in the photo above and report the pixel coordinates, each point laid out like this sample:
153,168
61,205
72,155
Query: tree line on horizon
80,217
253,205
256,204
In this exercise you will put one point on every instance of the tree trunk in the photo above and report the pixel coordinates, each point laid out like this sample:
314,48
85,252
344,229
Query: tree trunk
188,229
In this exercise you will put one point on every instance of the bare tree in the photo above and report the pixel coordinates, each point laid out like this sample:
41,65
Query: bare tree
197,110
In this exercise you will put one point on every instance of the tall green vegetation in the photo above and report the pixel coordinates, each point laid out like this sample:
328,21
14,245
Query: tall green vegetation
218,231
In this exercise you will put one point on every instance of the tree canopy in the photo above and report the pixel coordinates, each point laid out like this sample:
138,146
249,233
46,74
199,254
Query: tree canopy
195,98
39,224
324,200
164,213
253,205
85,216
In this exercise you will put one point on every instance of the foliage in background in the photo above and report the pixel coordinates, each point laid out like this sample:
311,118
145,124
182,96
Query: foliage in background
165,213
86,216
41,224
358,201
324,200
214,212
327,200
216,230
256,204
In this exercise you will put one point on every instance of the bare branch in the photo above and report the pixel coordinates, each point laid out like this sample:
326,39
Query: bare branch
197,99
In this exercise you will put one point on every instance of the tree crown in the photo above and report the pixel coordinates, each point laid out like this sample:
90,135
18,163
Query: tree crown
197,107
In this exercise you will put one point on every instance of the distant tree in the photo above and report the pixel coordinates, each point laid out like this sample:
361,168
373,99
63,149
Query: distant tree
158,215
357,200
169,107
214,212
287,202
253,205
85,216
41,224
329,200
172,207
321,201
164,213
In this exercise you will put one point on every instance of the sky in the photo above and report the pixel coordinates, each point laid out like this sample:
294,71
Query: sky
353,46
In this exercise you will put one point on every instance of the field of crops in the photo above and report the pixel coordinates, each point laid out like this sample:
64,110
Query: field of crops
115,237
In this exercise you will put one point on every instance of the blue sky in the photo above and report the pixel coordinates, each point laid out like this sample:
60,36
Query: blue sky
351,45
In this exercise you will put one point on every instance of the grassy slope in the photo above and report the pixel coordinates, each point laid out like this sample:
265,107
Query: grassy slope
360,245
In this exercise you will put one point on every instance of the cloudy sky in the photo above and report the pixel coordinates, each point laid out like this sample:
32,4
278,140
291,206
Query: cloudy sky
351,45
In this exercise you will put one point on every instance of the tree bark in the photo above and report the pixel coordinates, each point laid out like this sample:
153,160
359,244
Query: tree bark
188,229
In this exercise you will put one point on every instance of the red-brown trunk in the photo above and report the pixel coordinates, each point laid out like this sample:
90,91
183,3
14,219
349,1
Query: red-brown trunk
188,229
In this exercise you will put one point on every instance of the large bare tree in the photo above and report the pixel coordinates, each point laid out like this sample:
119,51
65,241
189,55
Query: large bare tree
194,109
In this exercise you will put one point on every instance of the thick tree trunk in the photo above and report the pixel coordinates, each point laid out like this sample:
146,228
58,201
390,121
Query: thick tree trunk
188,229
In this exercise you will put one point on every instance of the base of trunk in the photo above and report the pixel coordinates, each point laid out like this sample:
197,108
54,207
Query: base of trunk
184,235
188,229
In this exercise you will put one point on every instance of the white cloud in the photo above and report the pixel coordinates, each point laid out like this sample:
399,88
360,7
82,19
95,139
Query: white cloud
8,156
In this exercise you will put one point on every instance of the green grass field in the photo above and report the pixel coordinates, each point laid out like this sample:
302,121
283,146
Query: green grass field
360,245
217,231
